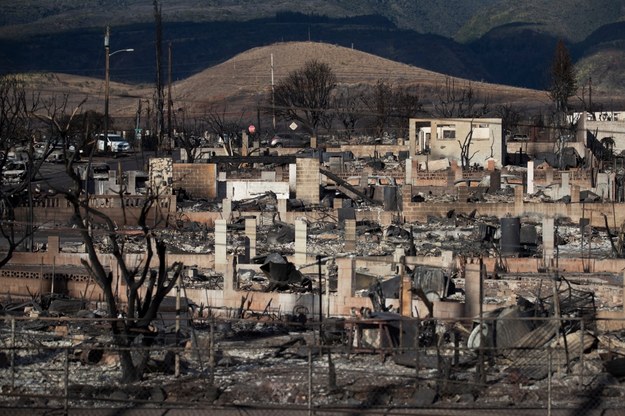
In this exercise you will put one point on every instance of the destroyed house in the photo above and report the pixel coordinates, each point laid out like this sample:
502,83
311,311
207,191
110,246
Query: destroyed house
446,139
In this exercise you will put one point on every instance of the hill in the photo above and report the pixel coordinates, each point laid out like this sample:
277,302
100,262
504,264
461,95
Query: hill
241,83
249,74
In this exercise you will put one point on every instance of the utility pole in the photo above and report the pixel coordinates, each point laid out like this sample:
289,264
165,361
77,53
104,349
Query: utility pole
169,103
160,127
590,98
273,96
107,57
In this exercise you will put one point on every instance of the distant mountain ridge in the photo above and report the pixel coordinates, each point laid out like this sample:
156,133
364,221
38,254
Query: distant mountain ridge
501,41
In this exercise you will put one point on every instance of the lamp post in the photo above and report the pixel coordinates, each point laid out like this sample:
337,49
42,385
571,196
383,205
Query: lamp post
107,56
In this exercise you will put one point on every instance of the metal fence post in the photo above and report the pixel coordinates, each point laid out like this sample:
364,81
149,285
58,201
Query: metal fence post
549,383
581,354
12,352
66,381
310,380
416,350
211,352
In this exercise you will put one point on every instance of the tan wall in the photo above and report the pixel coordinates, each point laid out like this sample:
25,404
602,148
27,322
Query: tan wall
20,280
57,210
480,149
419,211
198,179
367,150
307,180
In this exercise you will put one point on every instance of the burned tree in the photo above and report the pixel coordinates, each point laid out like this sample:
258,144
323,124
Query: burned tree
460,101
305,94
407,104
379,104
224,125
563,82
465,150
347,109
18,162
147,281
390,107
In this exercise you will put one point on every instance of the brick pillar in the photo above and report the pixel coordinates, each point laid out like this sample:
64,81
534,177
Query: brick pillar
350,235
282,207
54,244
565,188
245,144
412,138
226,209
300,242
406,195
575,194
221,241
530,177
250,232
345,276
307,180
409,172
472,289
455,169
405,292
548,240
548,176
518,201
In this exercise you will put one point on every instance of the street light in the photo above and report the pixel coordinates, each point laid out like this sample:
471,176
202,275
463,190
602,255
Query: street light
107,55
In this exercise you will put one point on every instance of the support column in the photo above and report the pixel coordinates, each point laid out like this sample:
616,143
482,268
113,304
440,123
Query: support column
530,177
548,240
565,187
409,172
245,144
405,293
226,209
221,244
575,191
518,201
344,285
250,233
307,180
300,242
548,176
350,235
412,138
282,207
473,290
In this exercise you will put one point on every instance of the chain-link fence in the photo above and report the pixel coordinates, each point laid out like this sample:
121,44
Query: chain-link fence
378,365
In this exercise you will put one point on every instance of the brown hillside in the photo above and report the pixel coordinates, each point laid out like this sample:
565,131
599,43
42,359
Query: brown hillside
245,80
249,75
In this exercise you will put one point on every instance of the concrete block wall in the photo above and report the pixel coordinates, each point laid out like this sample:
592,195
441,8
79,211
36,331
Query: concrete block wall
198,179
160,172
307,180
